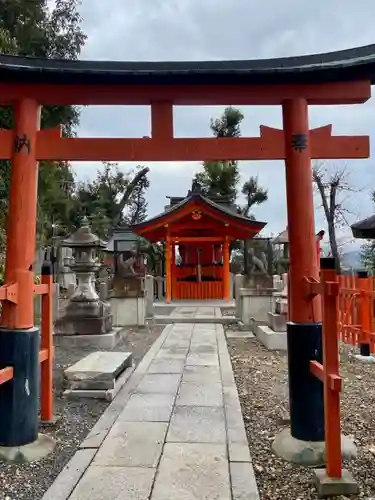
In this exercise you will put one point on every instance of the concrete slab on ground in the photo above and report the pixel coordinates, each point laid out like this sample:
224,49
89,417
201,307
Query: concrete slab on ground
176,432
331,486
98,370
107,394
273,341
239,334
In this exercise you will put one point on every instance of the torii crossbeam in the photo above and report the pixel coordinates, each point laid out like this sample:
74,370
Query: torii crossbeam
50,145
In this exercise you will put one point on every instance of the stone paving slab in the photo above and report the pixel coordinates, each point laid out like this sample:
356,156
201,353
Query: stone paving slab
174,432
160,383
196,373
132,444
190,471
167,366
115,483
244,486
208,359
197,424
161,319
200,393
148,408
70,475
173,353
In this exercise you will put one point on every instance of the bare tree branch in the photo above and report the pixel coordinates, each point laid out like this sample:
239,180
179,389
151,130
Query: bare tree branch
333,187
130,188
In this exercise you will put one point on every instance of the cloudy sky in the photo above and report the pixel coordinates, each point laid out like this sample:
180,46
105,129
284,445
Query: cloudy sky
141,30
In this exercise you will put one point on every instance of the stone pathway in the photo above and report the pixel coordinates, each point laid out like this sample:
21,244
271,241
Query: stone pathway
174,432
194,314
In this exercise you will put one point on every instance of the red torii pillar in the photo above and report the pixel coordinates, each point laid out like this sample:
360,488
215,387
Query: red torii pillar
298,145
304,328
19,339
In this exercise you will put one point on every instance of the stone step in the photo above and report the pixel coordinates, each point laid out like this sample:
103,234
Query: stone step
273,341
169,320
107,394
98,372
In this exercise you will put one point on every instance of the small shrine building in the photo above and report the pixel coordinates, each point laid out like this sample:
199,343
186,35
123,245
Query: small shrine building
197,232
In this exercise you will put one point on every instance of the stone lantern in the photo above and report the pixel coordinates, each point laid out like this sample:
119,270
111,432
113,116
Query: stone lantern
85,313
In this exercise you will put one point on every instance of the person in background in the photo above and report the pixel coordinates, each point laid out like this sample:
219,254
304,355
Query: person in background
318,239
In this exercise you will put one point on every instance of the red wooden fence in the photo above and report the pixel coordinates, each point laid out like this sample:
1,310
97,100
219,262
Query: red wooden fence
46,354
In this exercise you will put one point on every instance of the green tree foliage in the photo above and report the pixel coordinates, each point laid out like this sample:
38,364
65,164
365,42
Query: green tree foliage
137,203
104,199
220,178
254,194
368,256
30,28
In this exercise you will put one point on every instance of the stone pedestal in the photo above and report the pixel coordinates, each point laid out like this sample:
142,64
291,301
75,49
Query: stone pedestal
149,296
231,286
255,304
128,300
85,318
332,487
66,276
281,297
273,335
309,453
159,287
128,311
273,341
238,284
277,322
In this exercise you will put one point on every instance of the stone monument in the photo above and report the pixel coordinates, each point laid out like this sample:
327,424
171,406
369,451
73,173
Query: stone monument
273,334
127,294
281,301
258,277
86,320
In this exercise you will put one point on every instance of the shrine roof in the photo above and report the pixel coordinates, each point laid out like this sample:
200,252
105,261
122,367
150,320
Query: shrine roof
365,228
281,238
195,199
125,239
344,65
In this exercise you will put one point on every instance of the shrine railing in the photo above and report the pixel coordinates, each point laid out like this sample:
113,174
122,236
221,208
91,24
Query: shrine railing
46,353
328,371
356,311
183,272
204,290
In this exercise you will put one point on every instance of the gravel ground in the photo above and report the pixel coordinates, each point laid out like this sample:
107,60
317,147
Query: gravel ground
76,420
261,378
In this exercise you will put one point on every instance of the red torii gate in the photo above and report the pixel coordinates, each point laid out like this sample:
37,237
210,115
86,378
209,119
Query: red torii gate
296,144
50,145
